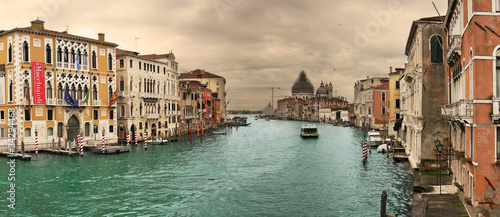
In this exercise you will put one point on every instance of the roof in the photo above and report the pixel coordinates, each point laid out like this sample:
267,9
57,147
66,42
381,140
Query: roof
383,86
159,56
198,73
414,26
64,34
302,84
125,52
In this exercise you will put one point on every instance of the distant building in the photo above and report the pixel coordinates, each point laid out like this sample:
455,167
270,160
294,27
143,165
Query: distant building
302,87
363,100
147,95
394,98
268,111
216,83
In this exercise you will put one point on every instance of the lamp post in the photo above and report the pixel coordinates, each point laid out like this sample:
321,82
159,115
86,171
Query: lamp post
439,149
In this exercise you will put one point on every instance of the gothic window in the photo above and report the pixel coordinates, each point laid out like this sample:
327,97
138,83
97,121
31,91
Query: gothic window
59,54
131,84
110,92
48,54
73,56
497,73
94,93
122,111
49,90
84,57
383,96
94,60
110,62
26,86
80,92
140,109
436,49
85,91
59,91
73,91
66,53
26,57
10,53
132,109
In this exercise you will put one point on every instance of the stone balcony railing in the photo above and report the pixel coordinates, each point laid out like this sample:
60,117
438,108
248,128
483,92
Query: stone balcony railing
496,110
153,116
51,102
121,93
455,46
97,103
462,109
133,93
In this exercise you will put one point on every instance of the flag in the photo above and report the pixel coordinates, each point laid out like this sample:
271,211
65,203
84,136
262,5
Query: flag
113,99
87,96
78,61
68,98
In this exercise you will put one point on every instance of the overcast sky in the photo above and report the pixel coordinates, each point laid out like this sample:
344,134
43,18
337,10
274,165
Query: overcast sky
254,44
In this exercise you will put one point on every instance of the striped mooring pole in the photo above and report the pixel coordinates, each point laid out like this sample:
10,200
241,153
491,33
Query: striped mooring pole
36,142
145,140
364,151
136,138
103,140
128,138
80,143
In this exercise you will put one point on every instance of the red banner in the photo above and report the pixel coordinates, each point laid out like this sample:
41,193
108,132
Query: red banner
38,82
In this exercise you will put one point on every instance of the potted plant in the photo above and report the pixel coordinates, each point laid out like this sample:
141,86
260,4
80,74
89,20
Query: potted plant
466,159
460,187
460,154
468,201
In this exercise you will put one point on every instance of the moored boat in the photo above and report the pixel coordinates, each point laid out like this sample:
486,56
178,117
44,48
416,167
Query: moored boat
309,130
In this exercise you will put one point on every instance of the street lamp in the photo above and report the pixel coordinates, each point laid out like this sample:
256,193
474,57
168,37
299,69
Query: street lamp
439,149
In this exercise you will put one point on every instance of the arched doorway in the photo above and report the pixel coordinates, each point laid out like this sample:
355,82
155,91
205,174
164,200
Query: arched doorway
122,135
72,129
132,133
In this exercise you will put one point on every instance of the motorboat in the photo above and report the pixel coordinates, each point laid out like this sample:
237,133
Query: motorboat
309,130
383,148
375,138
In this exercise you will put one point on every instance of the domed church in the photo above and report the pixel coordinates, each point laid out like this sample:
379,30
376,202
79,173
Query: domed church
302,88
325,90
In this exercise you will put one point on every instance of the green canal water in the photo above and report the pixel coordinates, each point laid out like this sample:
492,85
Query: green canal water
265,169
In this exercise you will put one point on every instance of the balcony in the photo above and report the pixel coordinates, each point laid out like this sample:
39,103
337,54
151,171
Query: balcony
61,102
133,93
97,103
121,93
153,116
82,103
454,50
496,110
51,101
463,109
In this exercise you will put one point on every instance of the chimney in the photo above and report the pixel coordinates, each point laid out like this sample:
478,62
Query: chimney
390,69
37,24
101,36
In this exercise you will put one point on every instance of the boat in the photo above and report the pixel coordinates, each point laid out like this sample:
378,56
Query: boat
309,130
241,121
220,132
375,138
383,148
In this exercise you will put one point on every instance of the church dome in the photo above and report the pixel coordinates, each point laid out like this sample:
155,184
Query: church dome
322,90
302,85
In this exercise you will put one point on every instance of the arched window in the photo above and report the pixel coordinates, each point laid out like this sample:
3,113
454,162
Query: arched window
60,91
140,109
79,55
73,57
26,87
110,92
11,91
80,92
436,49
73,91
94,92
85,91
132,109
383,96
497,72
48,54
110,62
122,111
49,90
94,60
84,58
66,55
122,84
59,54
131,84
10,53
26,55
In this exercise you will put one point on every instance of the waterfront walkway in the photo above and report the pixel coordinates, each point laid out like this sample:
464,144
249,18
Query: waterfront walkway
432,202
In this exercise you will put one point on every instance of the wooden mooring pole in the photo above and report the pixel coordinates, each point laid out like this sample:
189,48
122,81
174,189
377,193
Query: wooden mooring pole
383,207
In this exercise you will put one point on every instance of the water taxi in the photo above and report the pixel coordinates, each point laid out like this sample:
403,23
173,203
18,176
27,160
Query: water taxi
309,130
376,138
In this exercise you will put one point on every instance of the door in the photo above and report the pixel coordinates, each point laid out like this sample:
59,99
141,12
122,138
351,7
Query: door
73,127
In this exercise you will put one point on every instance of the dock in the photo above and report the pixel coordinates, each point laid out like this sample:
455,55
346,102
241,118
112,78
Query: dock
16,155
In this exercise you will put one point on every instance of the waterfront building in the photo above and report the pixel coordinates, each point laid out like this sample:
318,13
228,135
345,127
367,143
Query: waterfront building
394,107
422,85
147,95
193,106
57,84
363,100
216,83
268,111
333,114
472,109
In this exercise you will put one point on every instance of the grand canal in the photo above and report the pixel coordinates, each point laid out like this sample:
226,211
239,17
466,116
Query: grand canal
265,169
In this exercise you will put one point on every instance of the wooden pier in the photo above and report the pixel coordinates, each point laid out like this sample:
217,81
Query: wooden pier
16,155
